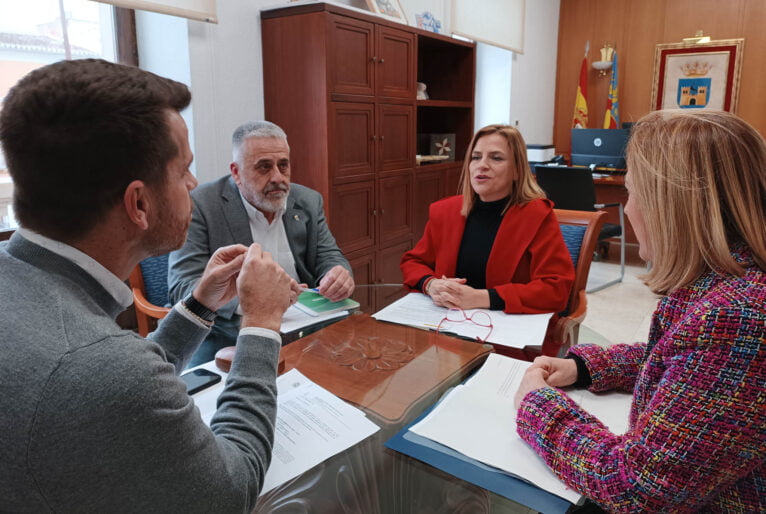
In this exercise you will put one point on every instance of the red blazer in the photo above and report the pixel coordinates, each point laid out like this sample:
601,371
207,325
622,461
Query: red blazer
529,265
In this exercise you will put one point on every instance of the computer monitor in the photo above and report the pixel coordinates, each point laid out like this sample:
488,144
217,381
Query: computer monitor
604,148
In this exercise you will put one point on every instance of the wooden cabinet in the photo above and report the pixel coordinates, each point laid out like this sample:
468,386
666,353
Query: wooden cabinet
369,59
342,84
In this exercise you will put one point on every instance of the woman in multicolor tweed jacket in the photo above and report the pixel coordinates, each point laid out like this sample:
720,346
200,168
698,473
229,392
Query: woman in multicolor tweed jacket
697,435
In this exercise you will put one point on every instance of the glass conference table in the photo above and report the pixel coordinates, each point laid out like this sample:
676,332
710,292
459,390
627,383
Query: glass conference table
393,373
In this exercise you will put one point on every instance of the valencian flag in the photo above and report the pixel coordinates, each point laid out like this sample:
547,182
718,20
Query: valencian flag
580,119
612,115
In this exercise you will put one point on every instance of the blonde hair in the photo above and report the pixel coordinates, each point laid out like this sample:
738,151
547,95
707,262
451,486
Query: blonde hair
523,186
699,179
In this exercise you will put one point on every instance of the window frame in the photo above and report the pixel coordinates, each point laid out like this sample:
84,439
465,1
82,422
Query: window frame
127,53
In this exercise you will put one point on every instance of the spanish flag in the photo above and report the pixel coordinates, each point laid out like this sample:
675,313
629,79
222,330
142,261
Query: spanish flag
612,115
580,119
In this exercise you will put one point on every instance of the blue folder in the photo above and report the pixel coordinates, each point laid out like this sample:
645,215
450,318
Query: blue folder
473,471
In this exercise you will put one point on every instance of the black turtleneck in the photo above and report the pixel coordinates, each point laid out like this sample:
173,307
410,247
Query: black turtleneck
481,227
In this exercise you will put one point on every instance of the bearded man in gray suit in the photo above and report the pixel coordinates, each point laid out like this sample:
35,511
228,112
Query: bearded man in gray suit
257,203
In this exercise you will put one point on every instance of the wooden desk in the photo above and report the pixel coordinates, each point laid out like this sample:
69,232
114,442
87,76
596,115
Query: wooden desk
393,373
390,371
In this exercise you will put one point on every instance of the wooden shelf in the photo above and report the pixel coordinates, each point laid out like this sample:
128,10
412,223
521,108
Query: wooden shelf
345,93
439,165
445,103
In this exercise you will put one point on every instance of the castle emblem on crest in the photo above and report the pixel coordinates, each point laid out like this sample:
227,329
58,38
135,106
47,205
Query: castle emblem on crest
694,90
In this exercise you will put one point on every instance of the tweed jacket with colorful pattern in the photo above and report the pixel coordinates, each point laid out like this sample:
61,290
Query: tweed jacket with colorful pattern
697,434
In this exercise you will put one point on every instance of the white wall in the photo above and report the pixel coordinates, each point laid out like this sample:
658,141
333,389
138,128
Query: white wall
163,48
227,78
533,82
493,85
225,73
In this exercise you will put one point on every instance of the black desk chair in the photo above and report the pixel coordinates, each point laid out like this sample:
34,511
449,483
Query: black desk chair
572,188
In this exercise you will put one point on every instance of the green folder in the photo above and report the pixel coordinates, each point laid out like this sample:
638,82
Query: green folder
315,304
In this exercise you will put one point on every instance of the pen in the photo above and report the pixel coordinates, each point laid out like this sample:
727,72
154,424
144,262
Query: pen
312,289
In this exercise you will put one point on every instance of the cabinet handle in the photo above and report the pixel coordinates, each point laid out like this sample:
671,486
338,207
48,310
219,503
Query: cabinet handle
382,212
374,58
373,137
374,212
381,60
382,138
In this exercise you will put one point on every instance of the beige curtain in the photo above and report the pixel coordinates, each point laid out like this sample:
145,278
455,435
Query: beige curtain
496,22
202,10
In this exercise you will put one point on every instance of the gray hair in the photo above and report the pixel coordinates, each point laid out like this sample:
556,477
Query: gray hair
258,129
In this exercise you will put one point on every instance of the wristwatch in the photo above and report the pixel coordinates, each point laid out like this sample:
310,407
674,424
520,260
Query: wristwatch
199,310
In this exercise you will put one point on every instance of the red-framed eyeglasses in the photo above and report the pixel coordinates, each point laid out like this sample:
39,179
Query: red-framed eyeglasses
479,318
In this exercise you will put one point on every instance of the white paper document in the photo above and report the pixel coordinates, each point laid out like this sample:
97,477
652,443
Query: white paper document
312,425
514,330
478,419
294,318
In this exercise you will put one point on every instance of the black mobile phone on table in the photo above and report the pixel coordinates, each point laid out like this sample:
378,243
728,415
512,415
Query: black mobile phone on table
199,379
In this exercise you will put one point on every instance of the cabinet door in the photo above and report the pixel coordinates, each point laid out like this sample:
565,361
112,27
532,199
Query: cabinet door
389,272
453,181
394,211
395,63
351,139
429,187
396,137
352,215
351,44
363,267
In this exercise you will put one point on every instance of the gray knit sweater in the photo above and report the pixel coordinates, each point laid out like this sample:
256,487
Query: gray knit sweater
94,419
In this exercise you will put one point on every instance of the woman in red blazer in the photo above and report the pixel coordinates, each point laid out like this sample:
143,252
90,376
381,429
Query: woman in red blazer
498,245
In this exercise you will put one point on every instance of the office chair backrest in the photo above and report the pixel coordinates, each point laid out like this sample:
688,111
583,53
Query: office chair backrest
155,274
580,230
586,225
149,282
567,187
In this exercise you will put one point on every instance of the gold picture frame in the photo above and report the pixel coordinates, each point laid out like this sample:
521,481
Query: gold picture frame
391,8
697,75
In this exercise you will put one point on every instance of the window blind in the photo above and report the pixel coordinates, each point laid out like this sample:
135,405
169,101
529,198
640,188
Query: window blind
202,10
495,22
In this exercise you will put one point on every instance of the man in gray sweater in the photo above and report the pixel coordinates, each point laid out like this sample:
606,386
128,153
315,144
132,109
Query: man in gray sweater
95,418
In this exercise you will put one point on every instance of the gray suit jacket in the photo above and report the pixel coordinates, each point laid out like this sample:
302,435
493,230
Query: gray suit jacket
219,219
94,418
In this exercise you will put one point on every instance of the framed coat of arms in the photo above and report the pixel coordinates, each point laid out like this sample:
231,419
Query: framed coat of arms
697,75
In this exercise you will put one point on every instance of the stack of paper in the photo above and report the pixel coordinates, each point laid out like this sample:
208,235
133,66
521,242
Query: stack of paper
478,419
514,330
312,426
294,319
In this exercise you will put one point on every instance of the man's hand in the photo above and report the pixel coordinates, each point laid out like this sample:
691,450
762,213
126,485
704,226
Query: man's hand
454,294
337,284
295,290
264,290
218,284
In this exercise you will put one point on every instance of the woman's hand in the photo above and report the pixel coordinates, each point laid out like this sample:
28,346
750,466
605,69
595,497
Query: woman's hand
546,371
454,294
534,378
560,372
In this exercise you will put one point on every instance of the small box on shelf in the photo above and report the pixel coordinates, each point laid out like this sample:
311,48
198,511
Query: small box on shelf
443,145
